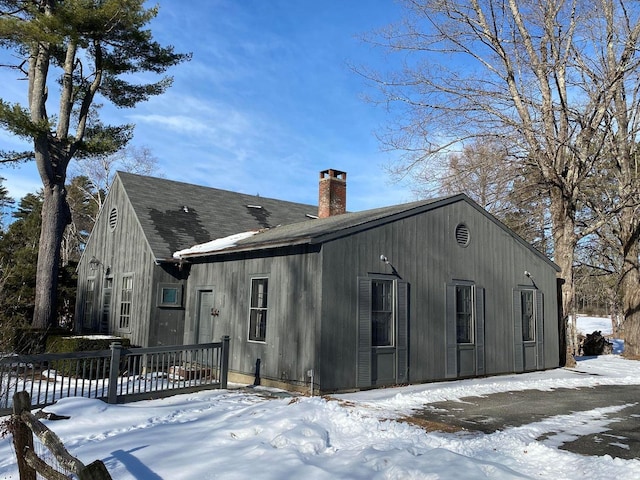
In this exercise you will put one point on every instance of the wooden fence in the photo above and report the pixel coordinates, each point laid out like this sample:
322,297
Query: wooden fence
116,375
24,425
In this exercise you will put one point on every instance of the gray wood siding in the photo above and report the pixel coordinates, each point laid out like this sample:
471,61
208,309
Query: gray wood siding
124,251
313,293
292,317
424,251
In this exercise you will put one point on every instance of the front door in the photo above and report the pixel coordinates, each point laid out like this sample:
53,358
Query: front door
204,323
382,331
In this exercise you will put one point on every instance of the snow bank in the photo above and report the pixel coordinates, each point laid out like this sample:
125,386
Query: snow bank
247,434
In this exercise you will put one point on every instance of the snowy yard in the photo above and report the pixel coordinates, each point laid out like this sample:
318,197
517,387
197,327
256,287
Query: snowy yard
249,434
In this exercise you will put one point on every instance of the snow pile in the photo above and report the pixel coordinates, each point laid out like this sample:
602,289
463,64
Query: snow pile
213,245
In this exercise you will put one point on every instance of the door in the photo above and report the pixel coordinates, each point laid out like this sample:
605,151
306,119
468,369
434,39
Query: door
528,316
204,322
464,330
382,332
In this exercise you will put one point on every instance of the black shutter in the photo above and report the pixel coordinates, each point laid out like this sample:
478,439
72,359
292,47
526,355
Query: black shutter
539,299
518,346
363,371
402,333
479,331
451,339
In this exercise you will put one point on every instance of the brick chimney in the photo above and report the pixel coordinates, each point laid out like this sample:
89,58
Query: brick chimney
333,193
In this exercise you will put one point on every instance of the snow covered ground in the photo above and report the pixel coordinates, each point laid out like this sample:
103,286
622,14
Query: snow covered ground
250,434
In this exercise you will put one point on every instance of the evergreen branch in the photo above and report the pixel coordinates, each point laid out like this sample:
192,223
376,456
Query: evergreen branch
15,157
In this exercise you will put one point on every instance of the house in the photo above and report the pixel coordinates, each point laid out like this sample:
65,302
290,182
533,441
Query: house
418,292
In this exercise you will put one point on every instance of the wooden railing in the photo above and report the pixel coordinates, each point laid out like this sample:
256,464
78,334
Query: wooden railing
116,375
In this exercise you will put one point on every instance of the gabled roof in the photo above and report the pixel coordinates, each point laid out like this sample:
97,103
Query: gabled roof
327,229
176,215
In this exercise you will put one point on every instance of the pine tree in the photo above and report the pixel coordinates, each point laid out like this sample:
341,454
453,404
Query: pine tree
5,202
77,50
18,254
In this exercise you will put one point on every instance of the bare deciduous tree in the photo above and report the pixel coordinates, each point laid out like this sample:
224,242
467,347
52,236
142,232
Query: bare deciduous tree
509,69
614,194
100,170
487,172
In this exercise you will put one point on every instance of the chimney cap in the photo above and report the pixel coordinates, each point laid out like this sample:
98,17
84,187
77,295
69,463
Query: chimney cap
333,173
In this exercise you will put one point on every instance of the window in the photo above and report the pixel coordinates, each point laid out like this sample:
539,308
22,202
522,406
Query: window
258,309
464,313
382,313
169,295
528,316
88,303
106,304
126,299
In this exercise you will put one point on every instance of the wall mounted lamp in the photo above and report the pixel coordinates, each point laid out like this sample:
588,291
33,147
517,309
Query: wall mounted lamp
386,261
528,275
94,263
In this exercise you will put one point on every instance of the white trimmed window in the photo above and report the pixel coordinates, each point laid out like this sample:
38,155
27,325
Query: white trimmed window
126,300
258,309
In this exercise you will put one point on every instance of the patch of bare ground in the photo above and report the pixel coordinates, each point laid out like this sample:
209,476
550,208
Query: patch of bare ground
344,403
431,425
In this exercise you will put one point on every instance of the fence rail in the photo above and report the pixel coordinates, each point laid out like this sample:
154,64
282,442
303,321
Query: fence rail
25,427
116,375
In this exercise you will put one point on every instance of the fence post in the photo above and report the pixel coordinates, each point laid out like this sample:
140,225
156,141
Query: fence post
22,436
114,369
95,471
224,362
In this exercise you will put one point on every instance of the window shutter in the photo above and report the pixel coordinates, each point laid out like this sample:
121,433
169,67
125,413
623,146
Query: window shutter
479,331
451,361
363,370
518,348
402,337
540,327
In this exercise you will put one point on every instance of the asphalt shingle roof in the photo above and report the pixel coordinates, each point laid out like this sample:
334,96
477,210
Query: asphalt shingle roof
176,215
326,229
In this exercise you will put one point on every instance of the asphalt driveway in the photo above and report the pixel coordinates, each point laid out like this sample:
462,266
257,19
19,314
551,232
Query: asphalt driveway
619,437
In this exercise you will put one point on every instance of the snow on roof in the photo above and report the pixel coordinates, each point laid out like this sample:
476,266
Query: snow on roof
214,245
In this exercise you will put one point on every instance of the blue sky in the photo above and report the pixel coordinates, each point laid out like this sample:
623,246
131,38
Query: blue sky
266,103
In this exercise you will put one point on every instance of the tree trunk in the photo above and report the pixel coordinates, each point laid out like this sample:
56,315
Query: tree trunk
630,283
565,240
55,217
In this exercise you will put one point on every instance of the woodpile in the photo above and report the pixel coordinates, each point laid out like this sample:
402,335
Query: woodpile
596,344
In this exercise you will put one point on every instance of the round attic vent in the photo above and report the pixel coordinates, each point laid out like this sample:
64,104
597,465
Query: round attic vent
113,219
462,235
